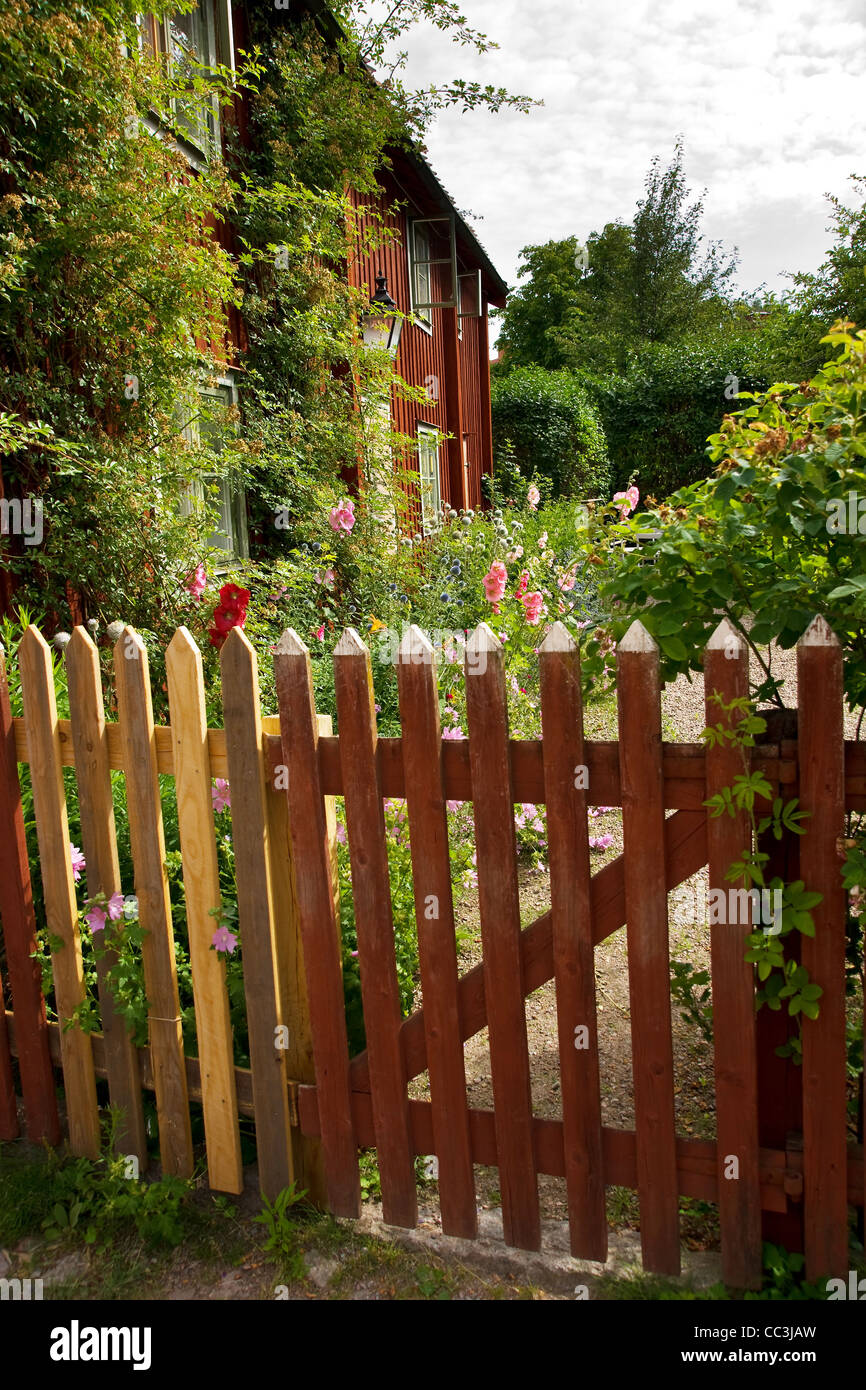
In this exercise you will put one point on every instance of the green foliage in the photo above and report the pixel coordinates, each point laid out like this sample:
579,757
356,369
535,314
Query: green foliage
547,422
837,291
280,1221
758,542
100,1200
660,409
690,990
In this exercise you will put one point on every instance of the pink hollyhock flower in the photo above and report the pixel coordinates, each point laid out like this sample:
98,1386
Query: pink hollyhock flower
341,834
115,906
494,581
220,794
321,633
78,861
534,607
568,580
523,584
329,579
453,805
533,497
196,583
342,517
95,919
628,500
224,940
453,733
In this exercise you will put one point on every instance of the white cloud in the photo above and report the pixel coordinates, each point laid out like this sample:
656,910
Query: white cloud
766,93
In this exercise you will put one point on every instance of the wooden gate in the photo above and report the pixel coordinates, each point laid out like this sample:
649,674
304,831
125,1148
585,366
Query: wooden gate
284,774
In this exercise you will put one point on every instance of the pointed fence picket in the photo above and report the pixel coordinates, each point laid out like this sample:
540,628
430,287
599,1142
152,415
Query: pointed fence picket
726,676
193,783
19,933
311,1102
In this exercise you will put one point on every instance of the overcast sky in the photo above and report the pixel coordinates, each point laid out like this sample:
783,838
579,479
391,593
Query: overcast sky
768,95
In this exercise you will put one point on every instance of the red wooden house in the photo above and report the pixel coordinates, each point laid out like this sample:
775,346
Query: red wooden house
435,270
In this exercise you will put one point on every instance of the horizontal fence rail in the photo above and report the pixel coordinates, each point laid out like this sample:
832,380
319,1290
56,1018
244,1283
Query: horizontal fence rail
313,1104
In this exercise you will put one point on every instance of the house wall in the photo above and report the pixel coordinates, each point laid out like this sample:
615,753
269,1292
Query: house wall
454,370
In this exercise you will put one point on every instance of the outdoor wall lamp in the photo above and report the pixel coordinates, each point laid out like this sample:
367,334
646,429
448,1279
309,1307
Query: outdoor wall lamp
382,323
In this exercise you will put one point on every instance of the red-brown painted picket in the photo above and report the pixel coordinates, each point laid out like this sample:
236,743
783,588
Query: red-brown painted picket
726,675
364,1101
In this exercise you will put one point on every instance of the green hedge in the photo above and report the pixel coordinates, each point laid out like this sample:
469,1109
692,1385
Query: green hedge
659,414
548,424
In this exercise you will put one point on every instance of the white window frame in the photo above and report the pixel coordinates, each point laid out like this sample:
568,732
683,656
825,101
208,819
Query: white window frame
423,318
232,501
215,23
430,486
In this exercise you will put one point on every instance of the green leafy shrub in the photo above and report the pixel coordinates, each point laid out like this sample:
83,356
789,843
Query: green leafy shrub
553,429
658,414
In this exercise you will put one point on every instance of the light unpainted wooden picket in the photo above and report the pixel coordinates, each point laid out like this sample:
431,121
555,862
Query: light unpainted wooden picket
99,845
499,901
265,1023
434,916
307,1158
820,736
58,886
371,895
318,906
19,936
147,841
565,783
643,826
726,674
193,788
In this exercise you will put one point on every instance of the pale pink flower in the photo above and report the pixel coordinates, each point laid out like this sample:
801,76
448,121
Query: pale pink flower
453,733
196,583
341,834
115,906
78,861
95,919
224,940
220,795
533,497
568,580
534,607
342,517
494,581
600,841
628,500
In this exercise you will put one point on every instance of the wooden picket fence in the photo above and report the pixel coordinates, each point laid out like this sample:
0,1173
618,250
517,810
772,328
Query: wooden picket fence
313,1105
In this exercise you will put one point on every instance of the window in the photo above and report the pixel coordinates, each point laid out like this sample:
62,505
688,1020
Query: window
420,278
230,502
428,468
188,41
432,242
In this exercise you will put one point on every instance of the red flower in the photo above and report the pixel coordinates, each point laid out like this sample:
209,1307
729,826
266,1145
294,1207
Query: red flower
234,598
224,621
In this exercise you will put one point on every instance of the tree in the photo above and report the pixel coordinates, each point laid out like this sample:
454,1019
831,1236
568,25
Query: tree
671,288
646,282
